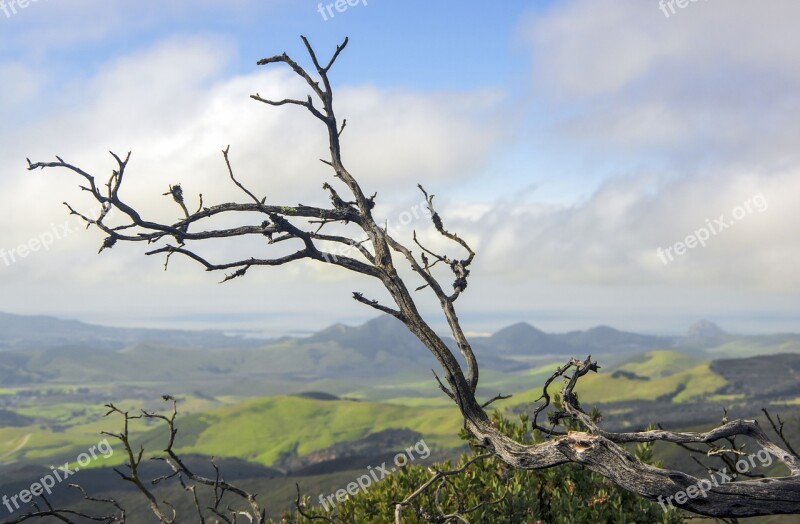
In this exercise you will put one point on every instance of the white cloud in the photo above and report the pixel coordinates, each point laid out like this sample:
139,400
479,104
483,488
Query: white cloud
174,107
716,80
26,85
612,238
702,110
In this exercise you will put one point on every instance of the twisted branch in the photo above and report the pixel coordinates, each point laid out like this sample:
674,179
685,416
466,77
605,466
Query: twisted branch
598,450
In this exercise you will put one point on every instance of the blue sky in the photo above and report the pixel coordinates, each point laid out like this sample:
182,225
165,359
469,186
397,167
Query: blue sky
568,140
419,44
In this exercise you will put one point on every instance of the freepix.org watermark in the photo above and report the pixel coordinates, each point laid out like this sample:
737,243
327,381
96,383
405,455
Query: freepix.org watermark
37,243
326,9
682,4
44,240
722,476
56,476
721,223
416,211
10,7
377,474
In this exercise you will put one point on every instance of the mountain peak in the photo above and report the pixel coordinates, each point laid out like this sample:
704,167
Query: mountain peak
518,329
603,330
705,329
522,338
384,333
334,329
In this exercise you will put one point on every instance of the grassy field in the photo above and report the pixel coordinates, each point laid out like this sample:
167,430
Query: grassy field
261,429
257,430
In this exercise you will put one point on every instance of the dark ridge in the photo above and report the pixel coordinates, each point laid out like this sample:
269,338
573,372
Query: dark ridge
316,395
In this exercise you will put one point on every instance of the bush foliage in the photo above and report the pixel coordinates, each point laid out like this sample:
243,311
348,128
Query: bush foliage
490,491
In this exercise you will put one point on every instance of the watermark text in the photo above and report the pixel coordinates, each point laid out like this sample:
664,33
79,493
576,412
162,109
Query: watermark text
326,10
718,478
57,476
712,228
376,474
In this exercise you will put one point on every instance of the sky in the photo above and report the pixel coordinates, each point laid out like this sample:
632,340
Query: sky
621,162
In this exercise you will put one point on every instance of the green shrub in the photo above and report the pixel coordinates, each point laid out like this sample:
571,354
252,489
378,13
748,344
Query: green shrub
490,491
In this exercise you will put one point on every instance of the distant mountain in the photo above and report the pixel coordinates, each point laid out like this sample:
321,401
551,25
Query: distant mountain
523,341
605,339
385,346
46,350
705,329
21,332
712,340
384,333
522,338
387,334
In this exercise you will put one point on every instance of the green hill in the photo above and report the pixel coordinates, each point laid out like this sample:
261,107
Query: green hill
658,363
259,430
648,376
742,347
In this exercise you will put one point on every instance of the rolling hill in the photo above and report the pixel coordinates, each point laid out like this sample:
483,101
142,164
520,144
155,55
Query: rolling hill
270,431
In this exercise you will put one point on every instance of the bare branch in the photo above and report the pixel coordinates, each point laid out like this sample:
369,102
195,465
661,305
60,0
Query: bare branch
495,399
596,449
779,430
238,184
399,506
375,304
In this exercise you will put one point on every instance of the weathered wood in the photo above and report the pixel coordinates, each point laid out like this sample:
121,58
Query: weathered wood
596,449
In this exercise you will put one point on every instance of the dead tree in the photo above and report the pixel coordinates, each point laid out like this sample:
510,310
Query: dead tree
377,258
